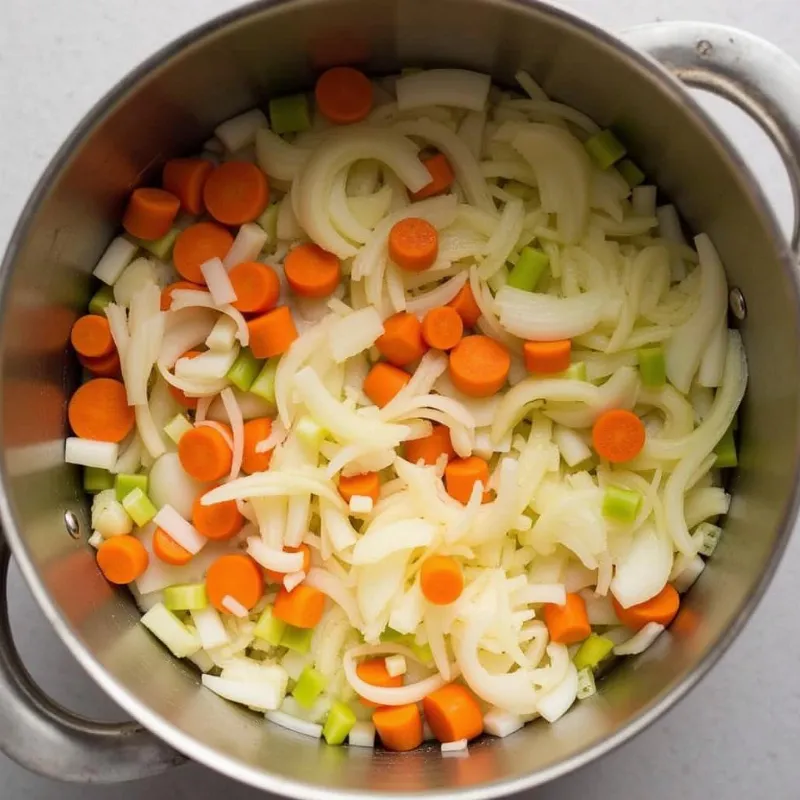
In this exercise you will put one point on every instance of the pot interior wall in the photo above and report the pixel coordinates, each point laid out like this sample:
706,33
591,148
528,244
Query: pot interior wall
279,48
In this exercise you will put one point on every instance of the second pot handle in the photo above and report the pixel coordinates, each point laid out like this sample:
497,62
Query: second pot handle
47,739
750,72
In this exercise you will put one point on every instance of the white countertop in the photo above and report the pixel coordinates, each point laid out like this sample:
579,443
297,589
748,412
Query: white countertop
735,736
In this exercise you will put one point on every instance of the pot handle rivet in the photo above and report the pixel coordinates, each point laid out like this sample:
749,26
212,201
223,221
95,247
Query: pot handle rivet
737,305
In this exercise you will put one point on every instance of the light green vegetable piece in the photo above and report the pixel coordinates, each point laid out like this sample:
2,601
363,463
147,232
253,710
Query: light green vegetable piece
630,171
101,298
593,650
289,114
652,366
269,628
530,267
97,480
245,370
264,384
186,597
604,149
310,685
139,507
297,639
621,504
726,451
125,484
177,426
160,248
309,433
269,222
339,723
575,372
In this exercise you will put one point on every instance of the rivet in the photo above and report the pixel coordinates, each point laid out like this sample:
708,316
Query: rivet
72,525
737,304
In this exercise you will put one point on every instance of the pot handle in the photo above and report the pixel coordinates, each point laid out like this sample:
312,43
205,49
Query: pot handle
750,72
45,738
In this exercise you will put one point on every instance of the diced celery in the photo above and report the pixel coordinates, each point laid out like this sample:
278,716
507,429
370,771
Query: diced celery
309,433
97,480
125,484
264,384
586,685
269,628
621,504
575,372
652,366
422,651
245,369
177,426
339,723
297,639
630,171
726,450
269,222
310,685
592,651
101,298
186,597
391,635
139,507
708,535
161,248
163,624
289,114
530,267
604,149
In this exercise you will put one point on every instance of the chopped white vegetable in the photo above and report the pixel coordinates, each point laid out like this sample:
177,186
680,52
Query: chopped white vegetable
240,131
395,665
640,641
586,684
210,627
261,696
362,734
114,260
311,729
219,284
233,606
223,335
293,579
499,722
458,88
247,245
135,277
454,747
360,505
89,453
180,529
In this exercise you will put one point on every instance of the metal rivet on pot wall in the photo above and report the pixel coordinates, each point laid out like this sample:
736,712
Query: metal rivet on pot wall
737,304
72,525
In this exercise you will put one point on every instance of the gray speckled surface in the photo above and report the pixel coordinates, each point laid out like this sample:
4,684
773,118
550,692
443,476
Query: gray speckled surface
736,736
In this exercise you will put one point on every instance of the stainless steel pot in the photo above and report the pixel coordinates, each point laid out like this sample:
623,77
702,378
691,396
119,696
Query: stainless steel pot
167,107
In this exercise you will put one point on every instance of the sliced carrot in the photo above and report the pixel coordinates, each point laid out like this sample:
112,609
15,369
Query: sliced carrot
373,671
257,287
168,550
221,521
442,328
272,333
122,559
661,609
91,336
312,271
343,95
430,448
99,410
150,213
468,309
197,244
204,454
302,607
255,431
180,396
236,192
618,435
567,624
400,727
547,358
367,484
413,244
441,580
453,713
401,342
461,474
104,367
479,366
234,575
273,576
185,178
383,382
442,177
166,292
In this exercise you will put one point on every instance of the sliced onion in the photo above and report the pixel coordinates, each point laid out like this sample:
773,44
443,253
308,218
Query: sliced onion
180,529
301,726
332,586
640,641
285,483
188,298
458,88
277,157
185,330
249,241
378,542
219,428
219,284
644,570
237,428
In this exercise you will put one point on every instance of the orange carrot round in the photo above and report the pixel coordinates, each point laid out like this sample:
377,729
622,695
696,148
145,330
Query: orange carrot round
150,213
547,358
312,271
273,576
441,580
122,559
272,333
257,287
220,521
234,575
255,431
461,474
204,454
185,178
168,550
99,410
91,336
400,727
618,435
197,244
302,607
166,292
428,449
373,671
453,713
178,394
367,484
442,328
343,95
479,366
413,244
383,382
104,367
236,192
661,609
466,306
401,342
442,177
567,624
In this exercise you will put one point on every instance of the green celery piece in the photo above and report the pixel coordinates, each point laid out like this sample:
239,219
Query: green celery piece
264,384
310,685
245,369
125,484
604,149
422,651
269,222
100,299
630,171
297,639
391,635
530,267
593,650
575,372
177,426
339,723
621,504
97,480
309,433
269,628
139,507
160,248
186,597
652,366
726,450
289,114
